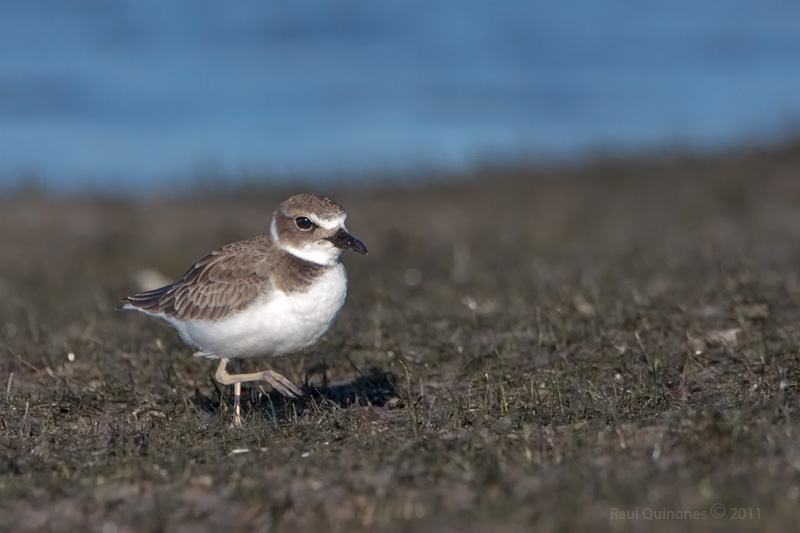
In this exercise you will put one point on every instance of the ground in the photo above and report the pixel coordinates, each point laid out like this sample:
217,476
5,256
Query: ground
610,344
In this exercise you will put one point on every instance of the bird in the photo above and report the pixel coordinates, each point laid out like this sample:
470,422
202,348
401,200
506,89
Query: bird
269,296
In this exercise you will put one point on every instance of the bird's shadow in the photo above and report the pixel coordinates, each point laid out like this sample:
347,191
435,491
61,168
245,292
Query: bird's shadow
374,387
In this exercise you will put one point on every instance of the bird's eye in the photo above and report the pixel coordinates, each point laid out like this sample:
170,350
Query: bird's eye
303,223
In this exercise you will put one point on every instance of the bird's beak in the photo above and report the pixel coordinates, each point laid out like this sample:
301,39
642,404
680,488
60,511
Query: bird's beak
342,239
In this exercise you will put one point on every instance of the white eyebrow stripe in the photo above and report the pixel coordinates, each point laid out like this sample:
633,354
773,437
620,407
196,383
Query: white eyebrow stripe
327,223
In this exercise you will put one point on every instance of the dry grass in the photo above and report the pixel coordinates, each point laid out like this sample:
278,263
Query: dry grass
521,350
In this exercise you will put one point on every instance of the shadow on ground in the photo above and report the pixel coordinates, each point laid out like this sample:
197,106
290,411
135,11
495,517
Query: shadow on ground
375,387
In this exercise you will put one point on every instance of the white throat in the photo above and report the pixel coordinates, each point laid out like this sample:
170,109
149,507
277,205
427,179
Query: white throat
320,252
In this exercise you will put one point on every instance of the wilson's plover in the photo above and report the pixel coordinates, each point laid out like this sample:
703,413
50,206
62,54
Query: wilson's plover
270,296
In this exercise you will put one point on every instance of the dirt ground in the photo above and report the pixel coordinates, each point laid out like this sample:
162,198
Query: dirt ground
612,344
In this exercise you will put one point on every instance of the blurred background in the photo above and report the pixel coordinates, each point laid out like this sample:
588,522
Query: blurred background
587,301
136,94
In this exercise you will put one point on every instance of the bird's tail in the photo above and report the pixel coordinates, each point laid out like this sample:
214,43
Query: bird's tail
148,301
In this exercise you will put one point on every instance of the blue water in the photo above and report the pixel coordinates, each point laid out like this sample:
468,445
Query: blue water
135,92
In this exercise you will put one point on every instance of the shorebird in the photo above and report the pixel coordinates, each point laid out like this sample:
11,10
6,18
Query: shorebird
270,296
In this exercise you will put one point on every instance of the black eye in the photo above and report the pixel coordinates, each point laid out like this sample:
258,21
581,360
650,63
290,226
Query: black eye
303,223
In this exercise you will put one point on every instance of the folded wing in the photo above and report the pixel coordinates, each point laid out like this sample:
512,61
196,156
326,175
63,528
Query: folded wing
222,282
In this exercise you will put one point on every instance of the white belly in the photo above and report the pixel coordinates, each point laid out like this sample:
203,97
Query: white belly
280,324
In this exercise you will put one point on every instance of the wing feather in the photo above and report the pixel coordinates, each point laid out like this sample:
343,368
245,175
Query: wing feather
220,283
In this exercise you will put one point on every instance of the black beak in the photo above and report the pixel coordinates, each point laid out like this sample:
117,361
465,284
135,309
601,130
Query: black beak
342,239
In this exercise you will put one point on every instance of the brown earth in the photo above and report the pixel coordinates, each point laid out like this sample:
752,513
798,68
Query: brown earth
524,349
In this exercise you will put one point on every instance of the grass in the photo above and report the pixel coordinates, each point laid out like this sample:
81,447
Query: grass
523,349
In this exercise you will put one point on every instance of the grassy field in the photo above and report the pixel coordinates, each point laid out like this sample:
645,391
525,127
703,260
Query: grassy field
610,345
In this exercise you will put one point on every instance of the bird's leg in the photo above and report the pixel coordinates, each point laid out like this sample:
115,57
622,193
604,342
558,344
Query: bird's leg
278,382
237,395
